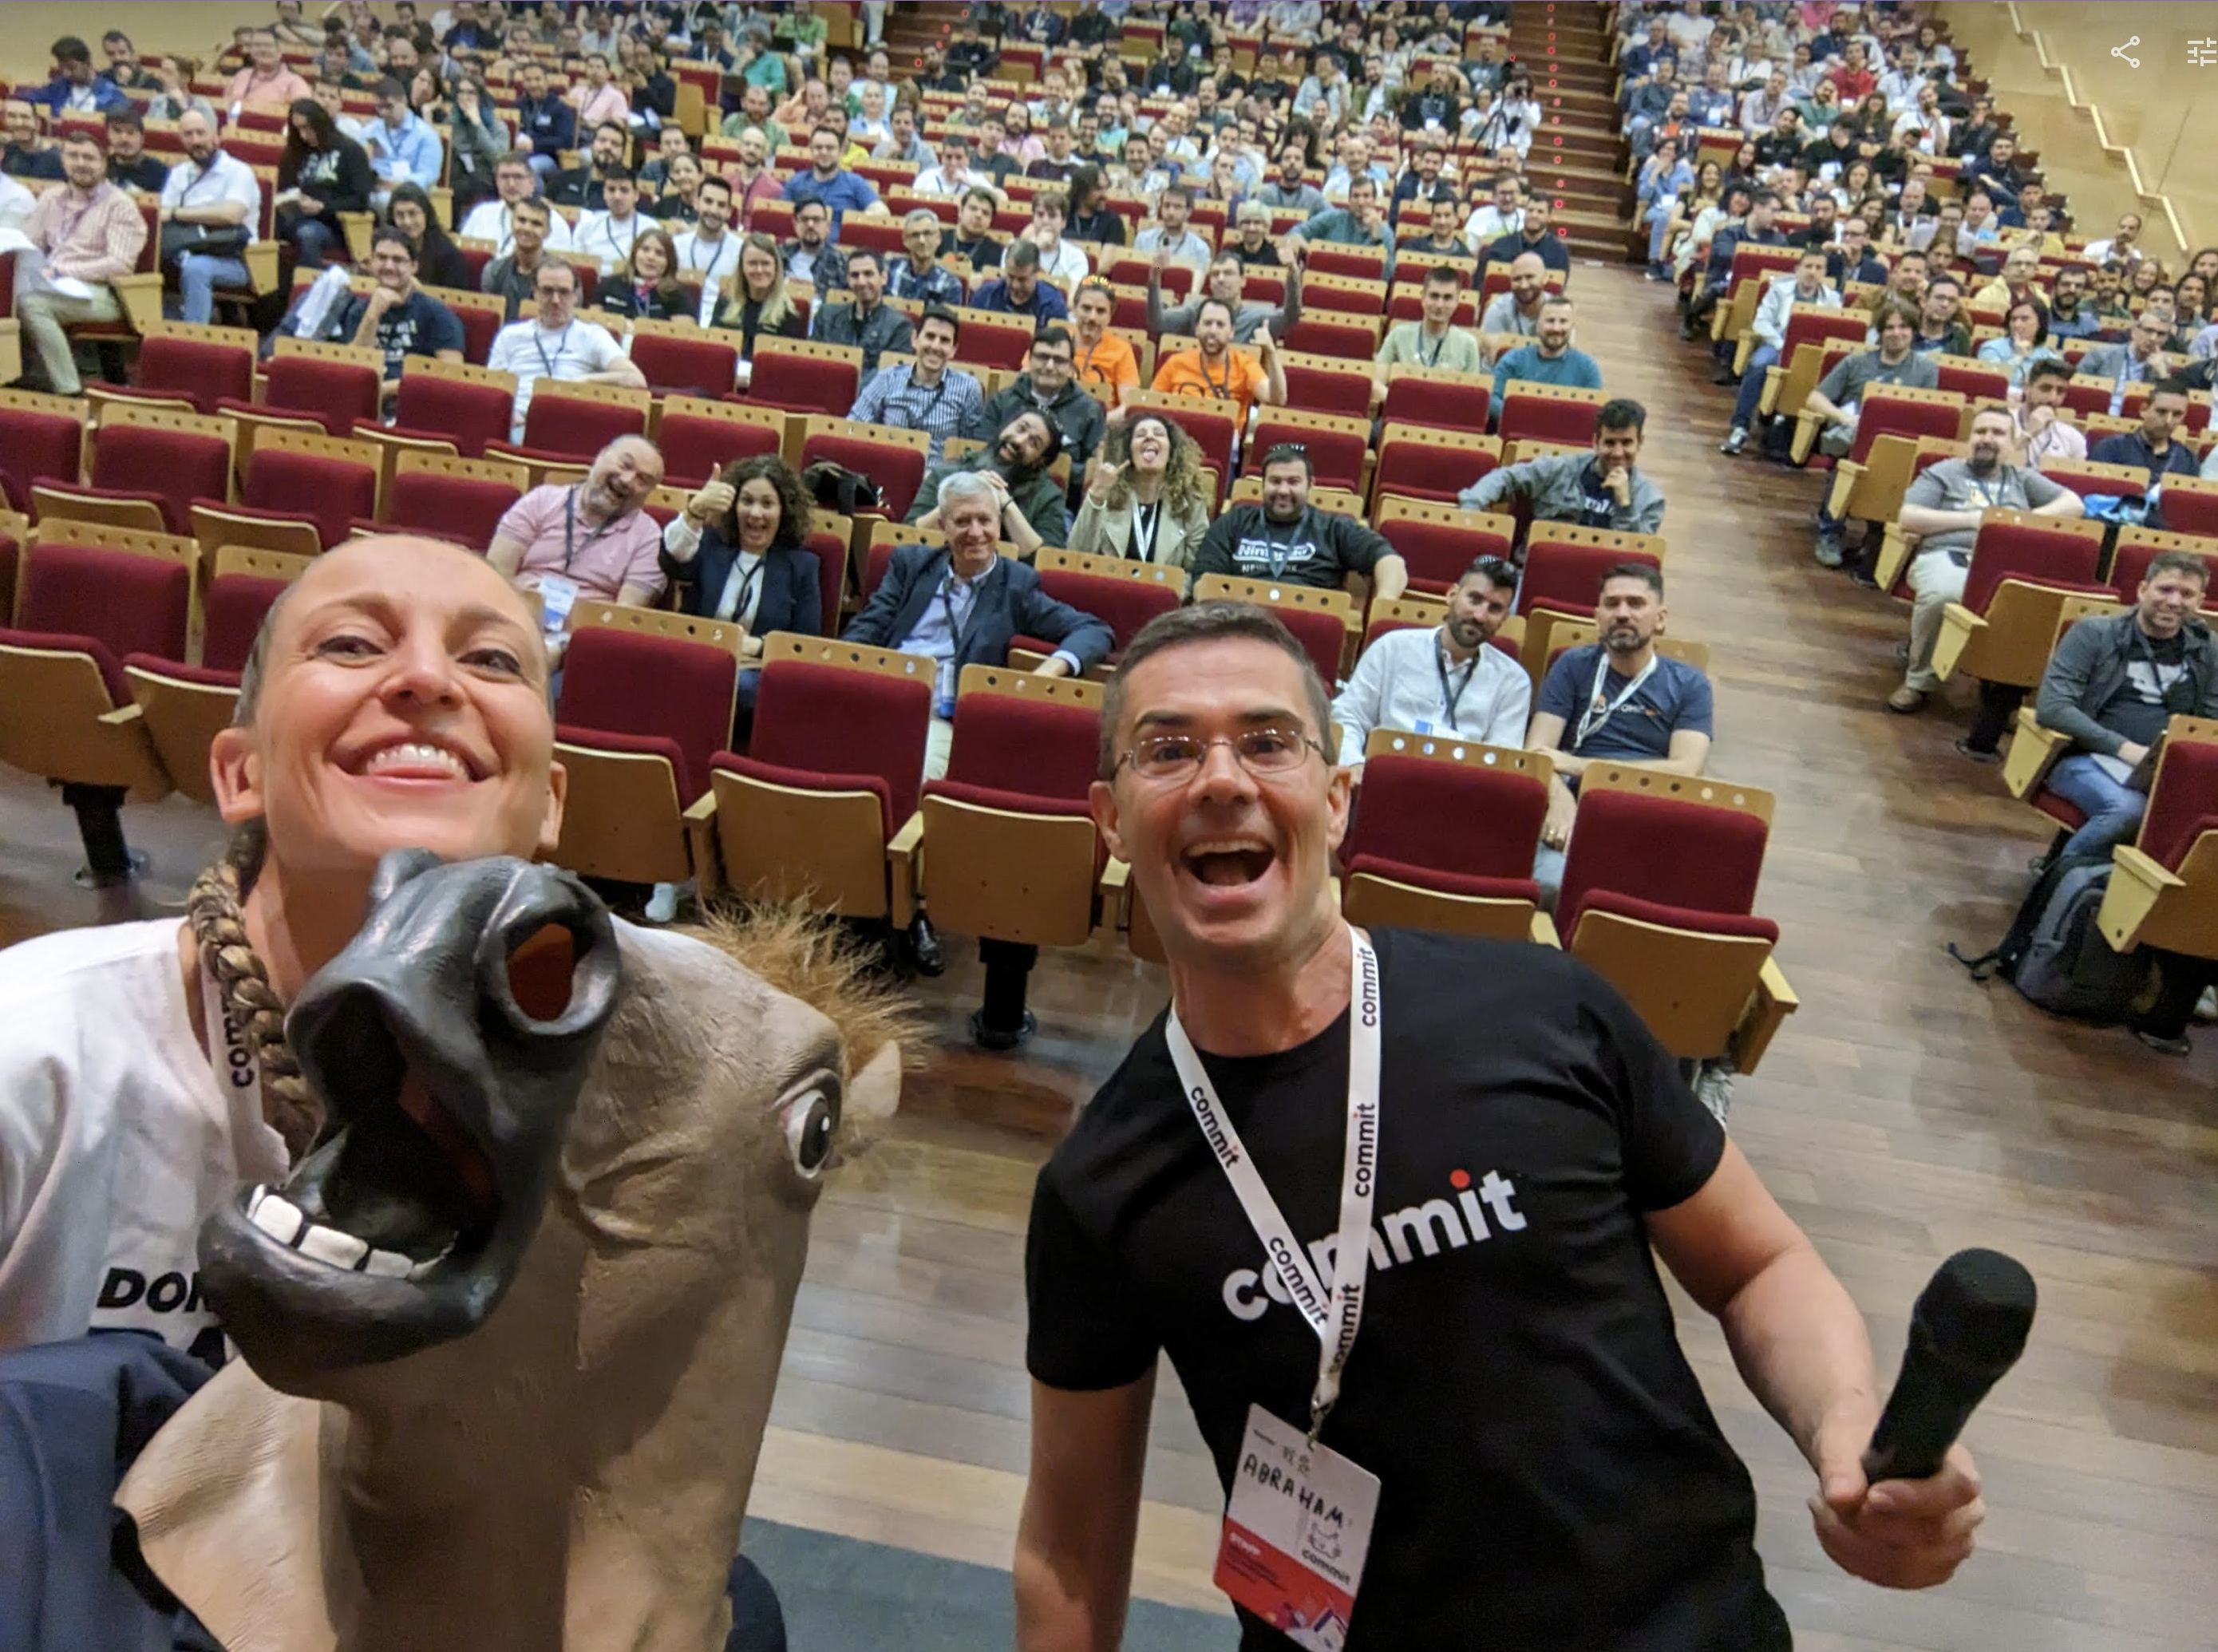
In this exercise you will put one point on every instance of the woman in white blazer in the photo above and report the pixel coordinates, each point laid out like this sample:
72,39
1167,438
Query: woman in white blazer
1149,498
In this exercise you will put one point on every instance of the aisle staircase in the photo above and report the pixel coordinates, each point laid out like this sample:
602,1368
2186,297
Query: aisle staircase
1578,158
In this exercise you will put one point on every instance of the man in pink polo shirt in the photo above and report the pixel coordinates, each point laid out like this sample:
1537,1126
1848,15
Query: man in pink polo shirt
586,542
265,79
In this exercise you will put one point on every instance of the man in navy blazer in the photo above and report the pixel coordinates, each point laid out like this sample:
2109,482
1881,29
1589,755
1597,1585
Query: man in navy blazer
962,605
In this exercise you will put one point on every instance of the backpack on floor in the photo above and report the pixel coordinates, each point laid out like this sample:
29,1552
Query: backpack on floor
2054,953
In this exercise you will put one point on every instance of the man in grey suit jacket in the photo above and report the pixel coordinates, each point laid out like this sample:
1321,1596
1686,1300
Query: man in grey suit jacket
963,605
2139,360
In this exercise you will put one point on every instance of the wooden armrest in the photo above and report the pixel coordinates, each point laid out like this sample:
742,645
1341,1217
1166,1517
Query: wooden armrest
1959,625
139,296
260,258
1772,1002
700,840
2033,752
123,715
2138,883
1805,437
901,869
1772,376
1743,350
1544,930
1895,549
1845,472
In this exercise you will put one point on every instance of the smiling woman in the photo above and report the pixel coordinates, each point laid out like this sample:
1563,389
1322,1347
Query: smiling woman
395,699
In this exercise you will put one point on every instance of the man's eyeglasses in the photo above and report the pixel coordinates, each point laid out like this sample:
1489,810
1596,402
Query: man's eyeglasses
1260,751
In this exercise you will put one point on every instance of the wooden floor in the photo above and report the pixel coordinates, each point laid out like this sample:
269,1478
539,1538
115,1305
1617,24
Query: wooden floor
1903,1113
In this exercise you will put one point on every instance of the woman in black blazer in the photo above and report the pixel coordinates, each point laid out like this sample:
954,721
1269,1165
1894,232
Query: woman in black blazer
650,288
737,543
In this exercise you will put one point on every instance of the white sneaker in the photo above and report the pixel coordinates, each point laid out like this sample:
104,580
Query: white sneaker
2206,1007
1714,1087
662,905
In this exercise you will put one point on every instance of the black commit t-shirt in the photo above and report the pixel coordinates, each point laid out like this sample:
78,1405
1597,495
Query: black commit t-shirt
1551,1475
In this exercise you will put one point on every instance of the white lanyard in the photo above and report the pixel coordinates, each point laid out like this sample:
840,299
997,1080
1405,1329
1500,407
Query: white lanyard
1600,711
738,601
236,1069
1334,1317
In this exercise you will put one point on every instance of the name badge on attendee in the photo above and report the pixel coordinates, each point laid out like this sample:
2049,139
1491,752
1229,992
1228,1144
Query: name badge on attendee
1423,725
558,595
1296,1532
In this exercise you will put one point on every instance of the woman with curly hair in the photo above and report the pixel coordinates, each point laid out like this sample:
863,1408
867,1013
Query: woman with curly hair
650,288
737,543
1149,498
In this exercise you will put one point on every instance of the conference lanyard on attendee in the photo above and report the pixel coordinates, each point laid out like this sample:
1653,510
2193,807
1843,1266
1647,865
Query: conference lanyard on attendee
957,634
739,592
1146,519
1334,1316
1600,710
570,529
561,344
1279,554
709,275
1449,702
236,1069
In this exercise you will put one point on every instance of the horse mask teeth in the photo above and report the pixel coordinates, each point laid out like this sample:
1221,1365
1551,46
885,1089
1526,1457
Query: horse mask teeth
447,1043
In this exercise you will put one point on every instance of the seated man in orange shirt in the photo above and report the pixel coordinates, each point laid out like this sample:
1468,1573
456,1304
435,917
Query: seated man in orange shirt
1215,370
1101,357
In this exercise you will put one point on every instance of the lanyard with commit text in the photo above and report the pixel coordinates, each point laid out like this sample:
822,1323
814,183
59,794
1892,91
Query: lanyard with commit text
1335,1316
1601,709
1449,701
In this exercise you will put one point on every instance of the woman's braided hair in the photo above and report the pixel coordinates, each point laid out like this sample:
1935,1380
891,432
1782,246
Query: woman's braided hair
213,910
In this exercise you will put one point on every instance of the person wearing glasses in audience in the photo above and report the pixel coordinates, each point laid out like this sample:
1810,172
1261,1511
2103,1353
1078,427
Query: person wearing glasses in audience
918,273
556,344
738,544
1048,386
1450,680
964,603
396,316
586,542
1149,498
494,220
1536,1461
647,286
1290,541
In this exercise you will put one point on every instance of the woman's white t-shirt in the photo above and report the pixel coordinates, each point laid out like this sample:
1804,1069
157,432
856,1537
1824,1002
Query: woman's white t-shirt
116,1139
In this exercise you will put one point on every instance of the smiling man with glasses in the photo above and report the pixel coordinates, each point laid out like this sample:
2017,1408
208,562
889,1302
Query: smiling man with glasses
1398,1192
555,345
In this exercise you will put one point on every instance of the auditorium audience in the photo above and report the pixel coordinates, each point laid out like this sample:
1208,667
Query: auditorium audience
494,221
1605,489
925,394
211,207
1016,461
321,174
590,541
1549,359
1944,508
557,344
1048,385
1227,275
2046,433
396,316
89,232
866,320
2113,684
736,549
647,286
513,276
1449,680
1620,700
1806,285
1518,310
1102,357
964,603
1149,498
2152,447
1288,539
1839,395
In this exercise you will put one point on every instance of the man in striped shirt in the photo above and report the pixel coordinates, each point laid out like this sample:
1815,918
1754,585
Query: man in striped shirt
89,232
926,394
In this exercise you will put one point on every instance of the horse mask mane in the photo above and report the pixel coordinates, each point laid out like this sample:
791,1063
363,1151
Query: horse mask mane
510,1330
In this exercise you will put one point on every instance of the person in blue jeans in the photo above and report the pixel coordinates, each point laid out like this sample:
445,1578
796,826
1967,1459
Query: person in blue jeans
211,207
1806,285
2113,684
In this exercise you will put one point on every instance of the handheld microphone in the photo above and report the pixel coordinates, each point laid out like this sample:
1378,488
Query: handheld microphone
1969,1327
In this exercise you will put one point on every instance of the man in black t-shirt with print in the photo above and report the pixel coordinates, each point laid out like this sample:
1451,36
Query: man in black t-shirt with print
1503,1359
396,316
1285,539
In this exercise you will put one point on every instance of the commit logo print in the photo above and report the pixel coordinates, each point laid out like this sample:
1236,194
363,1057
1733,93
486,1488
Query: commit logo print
1476,1214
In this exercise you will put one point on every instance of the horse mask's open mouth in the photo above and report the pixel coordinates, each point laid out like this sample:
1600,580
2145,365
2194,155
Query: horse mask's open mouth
447,1043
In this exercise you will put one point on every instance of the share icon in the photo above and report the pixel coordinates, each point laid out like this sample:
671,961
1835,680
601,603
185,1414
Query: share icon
2120,52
